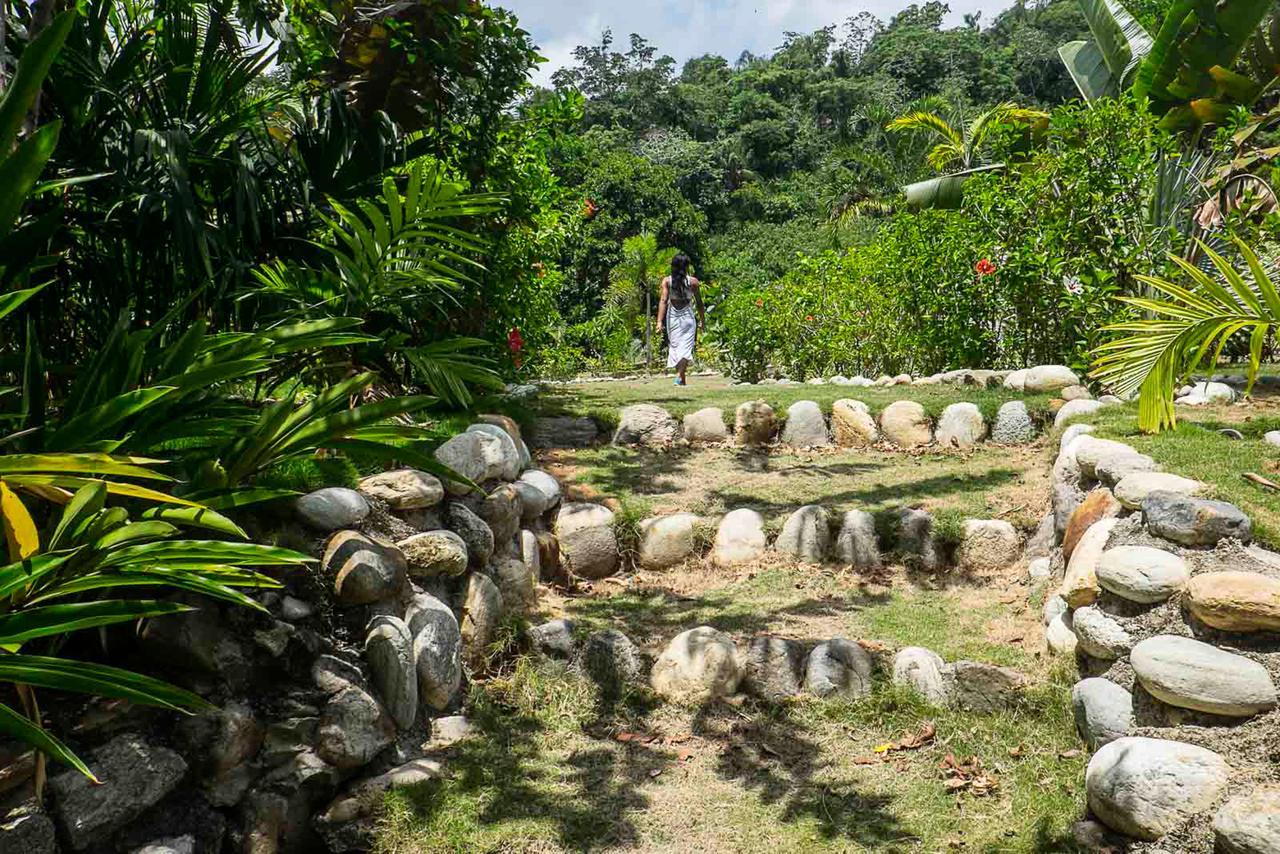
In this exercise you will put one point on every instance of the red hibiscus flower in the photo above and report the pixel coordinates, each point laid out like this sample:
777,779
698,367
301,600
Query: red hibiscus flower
590,209
515,342
759,303
985,267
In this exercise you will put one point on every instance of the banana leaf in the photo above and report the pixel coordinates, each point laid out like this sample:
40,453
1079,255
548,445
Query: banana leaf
945,191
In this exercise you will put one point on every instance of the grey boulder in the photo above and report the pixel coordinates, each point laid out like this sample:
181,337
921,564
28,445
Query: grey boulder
805,426
1195,675
838,667
135,775
1103,711
388,647
1194,521
1146,787
806,535
772,669
332,508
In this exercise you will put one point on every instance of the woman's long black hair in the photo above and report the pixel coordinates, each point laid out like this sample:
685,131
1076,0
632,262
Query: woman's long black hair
680,276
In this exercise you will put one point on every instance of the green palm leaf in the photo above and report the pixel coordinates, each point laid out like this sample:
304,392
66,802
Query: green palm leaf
1185,326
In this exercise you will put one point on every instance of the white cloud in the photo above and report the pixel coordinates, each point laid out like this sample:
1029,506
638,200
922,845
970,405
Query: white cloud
695,27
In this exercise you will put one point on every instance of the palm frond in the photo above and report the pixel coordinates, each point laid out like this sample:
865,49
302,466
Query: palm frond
1185,326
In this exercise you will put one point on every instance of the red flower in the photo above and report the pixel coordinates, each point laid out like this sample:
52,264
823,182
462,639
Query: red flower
590,209
984,267
759,303
808,318
515,343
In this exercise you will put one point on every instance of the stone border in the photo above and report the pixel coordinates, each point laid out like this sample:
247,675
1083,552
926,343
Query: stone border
1139,787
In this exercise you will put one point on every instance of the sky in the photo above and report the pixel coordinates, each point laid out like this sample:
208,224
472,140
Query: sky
696,27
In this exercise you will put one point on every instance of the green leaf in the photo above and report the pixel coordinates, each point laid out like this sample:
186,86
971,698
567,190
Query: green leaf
207,551
12,300
22,728
81,677
21,626
197,517
20,171
22,90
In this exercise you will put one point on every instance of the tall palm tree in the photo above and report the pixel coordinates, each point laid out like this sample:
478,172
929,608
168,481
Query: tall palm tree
633,282
961,146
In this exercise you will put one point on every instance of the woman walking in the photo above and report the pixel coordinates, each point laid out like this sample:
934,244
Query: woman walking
681,294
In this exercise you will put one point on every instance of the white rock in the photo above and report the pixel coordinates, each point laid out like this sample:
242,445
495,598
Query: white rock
1046,378
1075,409
1133,489
923,671
1103,711
667,540
1142,574
1249,823
475,455
1194,675
961,426
905,424
544,483
852,424
1212,392
740,537
1272,437
1145,787
989,545
1013,425
1080,584
1017,380
805,426
1091,450
404,489
1060,635
587,539
706,426
806,535
646,424
508,466
698,665
1100,635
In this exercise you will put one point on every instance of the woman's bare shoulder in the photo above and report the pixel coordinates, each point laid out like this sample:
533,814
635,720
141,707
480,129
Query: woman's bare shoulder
695,282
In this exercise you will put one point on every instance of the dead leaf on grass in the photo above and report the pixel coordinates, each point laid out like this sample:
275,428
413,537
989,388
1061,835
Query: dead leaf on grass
1070,754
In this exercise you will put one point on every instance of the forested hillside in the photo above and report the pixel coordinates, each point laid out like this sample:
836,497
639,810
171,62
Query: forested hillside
742,162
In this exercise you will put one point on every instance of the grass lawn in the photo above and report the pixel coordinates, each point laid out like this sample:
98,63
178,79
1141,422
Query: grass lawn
558,764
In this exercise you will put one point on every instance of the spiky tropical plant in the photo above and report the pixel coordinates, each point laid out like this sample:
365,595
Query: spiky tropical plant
399,262
53,583
1187,325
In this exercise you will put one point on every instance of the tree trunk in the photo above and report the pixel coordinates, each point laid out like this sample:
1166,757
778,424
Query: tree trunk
648,320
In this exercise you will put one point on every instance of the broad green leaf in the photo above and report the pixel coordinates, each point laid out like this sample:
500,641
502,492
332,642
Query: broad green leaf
25,85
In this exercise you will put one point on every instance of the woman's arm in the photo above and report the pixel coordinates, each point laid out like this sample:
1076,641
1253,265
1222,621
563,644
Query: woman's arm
662,306
697,298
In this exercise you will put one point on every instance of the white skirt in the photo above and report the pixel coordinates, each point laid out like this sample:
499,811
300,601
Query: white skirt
682,332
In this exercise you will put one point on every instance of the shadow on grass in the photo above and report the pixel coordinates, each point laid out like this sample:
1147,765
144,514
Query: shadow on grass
772,754
657,615
880,495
